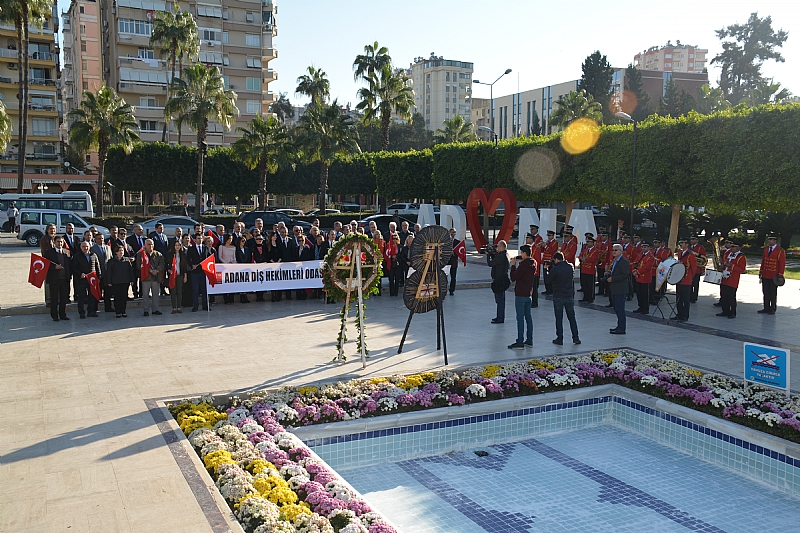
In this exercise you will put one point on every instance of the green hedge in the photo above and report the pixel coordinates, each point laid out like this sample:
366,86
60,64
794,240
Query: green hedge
404,175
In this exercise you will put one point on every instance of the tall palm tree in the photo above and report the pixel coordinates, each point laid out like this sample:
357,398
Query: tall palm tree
5,127
282,107
264,145
175,36
315,85
201,97
576,104
387,92
374,58
22,14
455,130
102,120
326,132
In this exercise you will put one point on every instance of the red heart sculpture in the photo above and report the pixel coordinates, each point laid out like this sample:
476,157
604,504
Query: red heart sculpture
490,204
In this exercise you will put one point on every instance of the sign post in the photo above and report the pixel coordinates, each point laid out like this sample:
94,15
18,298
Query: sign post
767,365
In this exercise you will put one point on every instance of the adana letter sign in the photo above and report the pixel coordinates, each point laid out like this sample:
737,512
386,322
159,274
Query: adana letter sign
766,365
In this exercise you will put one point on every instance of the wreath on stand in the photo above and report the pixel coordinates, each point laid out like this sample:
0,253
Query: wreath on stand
341,282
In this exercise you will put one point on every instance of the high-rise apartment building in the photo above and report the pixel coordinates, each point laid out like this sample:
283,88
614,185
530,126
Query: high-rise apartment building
516,114
42,149
672,58
442,89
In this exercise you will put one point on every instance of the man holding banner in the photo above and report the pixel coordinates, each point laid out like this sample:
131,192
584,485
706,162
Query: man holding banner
84,265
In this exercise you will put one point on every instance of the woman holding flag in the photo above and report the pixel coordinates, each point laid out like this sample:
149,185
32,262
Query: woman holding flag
177,268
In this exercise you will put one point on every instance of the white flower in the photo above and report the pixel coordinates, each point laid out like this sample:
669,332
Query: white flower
649,380
238,414
340,491
355,526
387,404
476,390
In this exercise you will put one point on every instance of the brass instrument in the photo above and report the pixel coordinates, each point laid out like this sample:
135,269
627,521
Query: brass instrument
702,260
717,256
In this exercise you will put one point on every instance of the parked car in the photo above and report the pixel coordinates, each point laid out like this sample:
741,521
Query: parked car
32,223
315,212
270,218
170,223
178,210
221,212
291,212
383,223
351,208
403,209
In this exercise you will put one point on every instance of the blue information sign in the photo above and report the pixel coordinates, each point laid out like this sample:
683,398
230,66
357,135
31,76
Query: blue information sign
766,365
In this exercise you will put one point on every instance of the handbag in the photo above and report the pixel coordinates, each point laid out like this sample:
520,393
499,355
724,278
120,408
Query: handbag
779,280
500,285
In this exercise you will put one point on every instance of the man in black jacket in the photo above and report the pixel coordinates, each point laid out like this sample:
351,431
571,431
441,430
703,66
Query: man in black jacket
286,251
136,242
84,262
498,260
617,280
58,276
196,254
453,262
562,274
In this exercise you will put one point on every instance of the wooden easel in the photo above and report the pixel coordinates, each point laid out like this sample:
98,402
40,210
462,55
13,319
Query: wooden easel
354,282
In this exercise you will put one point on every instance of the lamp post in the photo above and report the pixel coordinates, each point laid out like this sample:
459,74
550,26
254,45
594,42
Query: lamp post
626,117
491,97
492,134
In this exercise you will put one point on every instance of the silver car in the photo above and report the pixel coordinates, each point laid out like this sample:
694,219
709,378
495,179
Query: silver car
170,223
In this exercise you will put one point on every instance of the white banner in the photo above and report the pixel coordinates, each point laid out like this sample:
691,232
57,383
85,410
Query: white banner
257,277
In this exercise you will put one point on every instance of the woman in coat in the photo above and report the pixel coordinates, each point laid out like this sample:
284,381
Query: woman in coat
242,257
226,254
259,253
118,277
177,274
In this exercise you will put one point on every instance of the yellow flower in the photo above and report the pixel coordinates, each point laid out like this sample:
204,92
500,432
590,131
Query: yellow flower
537,364
378,381
414,380
490,371
265,485
195,416
694,372
608,358
303,391
281,496
258,466
291,511
217,458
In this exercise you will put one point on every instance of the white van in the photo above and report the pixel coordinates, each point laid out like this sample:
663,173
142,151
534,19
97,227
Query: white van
32,223
78,201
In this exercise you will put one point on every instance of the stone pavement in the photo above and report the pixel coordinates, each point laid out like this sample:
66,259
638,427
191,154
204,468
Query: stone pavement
79,450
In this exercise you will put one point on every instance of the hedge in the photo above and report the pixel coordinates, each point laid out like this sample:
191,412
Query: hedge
405,174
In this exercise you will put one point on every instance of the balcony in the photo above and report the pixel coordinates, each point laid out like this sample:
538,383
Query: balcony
42,107
267,98
5,52
43,56
142,88
43,81
270,75
269,53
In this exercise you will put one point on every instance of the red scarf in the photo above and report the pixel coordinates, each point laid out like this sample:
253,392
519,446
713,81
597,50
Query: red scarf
173,277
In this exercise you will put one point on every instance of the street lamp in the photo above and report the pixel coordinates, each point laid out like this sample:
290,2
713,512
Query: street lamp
491,97
491,133
626,117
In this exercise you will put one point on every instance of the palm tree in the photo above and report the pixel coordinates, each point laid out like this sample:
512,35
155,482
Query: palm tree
387,92
175,37
326,132
5,127
282,107
710,100
102,120
22,14
374,58
766,92
265,145
455,130
576,105
315,85
786,225
201,97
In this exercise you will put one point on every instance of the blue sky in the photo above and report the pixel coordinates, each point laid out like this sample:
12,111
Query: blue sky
542,42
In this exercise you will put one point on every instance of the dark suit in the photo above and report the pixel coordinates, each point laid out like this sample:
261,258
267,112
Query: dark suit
104,255
136,244
82,265
195,257
287,253
72,243
58,280
454,267
159,242
618,289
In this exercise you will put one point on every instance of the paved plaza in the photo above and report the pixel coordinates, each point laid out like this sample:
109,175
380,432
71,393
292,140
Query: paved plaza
79,450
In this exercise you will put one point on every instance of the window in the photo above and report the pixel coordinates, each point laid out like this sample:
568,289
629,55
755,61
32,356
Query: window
84,65
85,85
38,100
226,60
71,219
668,56
253,84
148,125
254,106
226,82
81,9
49,218
253,62
75,205
224,37
209,11
43,127
447,76
83,46
146,53
29,217
147,101
252,39
224,13
83,29
213,58
209,34
691,64
137,27
668,65
248,16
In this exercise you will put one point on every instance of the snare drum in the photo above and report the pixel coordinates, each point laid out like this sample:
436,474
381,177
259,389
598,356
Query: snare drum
713,276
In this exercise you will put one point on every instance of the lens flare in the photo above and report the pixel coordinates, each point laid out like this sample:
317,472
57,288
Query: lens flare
536,169
580,135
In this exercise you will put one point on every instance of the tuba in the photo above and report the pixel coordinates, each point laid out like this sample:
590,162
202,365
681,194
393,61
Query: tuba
716,257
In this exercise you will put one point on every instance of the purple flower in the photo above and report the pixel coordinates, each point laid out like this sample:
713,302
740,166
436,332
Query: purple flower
456,399
381,527
733,410
297,454
258,436
359,507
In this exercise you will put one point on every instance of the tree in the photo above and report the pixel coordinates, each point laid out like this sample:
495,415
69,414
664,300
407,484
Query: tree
374,59
174,36
786,225
201,97
596,81
282,107
536,126
405,136
388,92
766,92
102,120
315,85
710,100
325,133
673,103
573,106
634,84
741,58
265,145
22,14
455,130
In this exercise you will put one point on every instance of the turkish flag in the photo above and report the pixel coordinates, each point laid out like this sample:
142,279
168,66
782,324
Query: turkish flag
214,236
389,252
173,275
38,271
461,251
144,270
94,285
210,268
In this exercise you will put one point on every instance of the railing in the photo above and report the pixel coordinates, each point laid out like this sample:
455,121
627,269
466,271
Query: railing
43,56
42,81
42,157
41,107
128,60
147,107
269,52
43,133
5,52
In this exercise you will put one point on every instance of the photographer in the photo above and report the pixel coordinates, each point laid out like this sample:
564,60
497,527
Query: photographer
523,272
561,276
497,258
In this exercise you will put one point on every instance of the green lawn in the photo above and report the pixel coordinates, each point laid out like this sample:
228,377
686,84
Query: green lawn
791,272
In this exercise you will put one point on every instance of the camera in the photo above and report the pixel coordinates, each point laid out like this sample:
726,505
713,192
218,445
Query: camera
489,249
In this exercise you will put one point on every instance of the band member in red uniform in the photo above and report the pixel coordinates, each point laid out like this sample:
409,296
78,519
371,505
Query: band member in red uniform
550,247
590,255
632,255
773,263
570,246
660,252
699,251
603,246
683,289
734,265
536,254
644,276
637,243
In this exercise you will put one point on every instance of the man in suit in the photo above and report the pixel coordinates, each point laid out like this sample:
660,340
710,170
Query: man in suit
303,252
177,237
104,255
196,254
58,276
136,242
453,262
286,252
84,262
160,246
71,241
617,280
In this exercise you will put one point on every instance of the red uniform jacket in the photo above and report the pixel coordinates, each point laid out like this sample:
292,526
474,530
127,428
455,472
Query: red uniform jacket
631,254
605,253
661,254
738,265
536,252
688,259
700,250
570,250
646,268
589,259
550,247
772,263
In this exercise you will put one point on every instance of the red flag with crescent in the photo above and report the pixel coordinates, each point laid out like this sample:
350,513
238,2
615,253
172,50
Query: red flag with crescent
461,251
213,235
389,252
173,275
144,269
210,268
94,285
38,271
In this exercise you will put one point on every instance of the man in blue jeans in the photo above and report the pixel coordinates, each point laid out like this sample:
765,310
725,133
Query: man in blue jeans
561,279
617,279
523,272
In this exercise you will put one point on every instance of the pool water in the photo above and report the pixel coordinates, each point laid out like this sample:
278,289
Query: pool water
603,479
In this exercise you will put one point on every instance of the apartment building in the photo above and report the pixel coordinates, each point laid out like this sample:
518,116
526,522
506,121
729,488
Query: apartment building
514,113
673,58
654,82
442,89
42,149
480,117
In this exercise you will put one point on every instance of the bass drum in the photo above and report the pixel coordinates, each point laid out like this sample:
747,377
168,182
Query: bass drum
676,273
663,270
